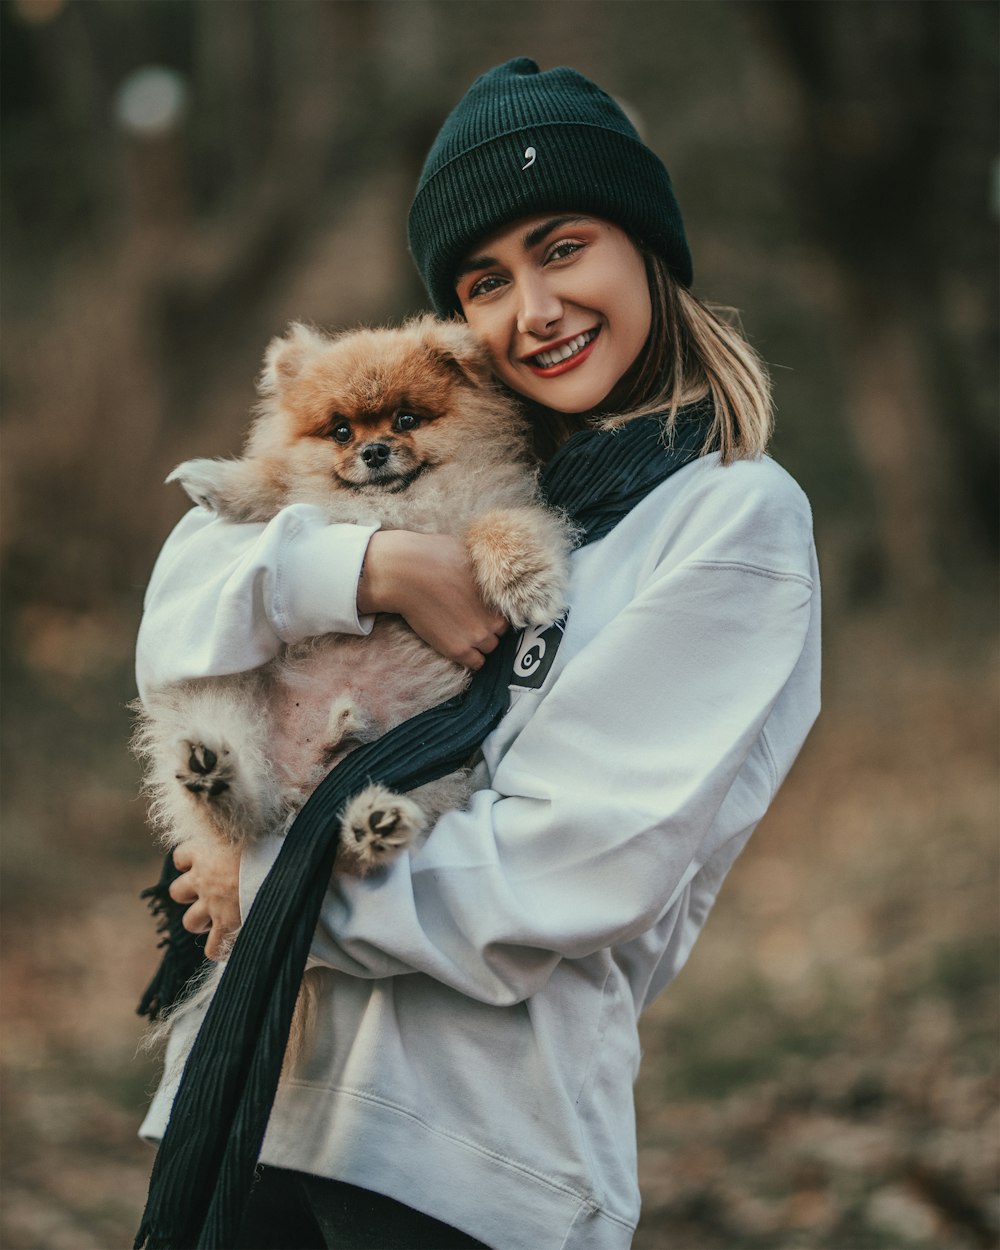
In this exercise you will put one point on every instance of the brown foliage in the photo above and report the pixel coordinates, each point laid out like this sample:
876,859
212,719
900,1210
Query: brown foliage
823,1073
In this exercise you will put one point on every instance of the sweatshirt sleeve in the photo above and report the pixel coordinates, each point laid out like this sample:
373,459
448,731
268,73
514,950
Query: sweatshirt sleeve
606,802
224,597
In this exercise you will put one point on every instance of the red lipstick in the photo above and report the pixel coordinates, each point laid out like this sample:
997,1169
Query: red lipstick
578,356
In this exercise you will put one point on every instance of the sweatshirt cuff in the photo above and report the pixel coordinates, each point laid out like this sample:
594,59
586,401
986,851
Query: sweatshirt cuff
319,595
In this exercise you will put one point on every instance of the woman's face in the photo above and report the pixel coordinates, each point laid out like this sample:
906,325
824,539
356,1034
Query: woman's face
562,303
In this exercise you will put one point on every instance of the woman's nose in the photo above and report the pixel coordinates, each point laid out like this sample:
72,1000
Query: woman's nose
540,308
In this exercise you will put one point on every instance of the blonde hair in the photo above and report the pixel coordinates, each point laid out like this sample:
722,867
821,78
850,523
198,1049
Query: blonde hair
695,352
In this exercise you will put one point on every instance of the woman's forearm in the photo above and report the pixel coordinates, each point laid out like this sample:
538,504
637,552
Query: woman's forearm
223,598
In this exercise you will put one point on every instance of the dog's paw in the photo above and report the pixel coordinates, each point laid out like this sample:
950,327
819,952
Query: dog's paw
536,598
377,826
203,480
521,563
251,489
207,772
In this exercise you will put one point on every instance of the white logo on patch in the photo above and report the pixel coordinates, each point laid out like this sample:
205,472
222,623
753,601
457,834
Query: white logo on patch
529,158
536,651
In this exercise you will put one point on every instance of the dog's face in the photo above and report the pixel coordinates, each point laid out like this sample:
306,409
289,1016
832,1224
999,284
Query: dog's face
372,411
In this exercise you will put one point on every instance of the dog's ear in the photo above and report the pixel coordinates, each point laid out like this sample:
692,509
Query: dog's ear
286,355
456,347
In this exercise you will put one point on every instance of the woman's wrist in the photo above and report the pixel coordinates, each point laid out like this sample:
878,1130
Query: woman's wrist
380,572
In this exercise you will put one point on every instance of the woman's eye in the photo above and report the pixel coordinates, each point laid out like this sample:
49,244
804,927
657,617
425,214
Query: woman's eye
562,250
405,421
485,286
341,432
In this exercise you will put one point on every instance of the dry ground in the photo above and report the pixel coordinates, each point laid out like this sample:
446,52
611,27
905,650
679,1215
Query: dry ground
821,1076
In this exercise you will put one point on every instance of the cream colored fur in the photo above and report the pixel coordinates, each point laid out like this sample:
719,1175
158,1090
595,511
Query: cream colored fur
235,757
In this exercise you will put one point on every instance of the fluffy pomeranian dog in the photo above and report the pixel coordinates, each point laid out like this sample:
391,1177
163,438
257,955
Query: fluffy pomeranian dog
404,427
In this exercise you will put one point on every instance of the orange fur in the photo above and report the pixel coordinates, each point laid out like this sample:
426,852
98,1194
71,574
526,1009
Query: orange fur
429,443
235,757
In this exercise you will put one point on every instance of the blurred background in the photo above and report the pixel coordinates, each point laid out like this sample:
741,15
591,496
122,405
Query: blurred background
182,178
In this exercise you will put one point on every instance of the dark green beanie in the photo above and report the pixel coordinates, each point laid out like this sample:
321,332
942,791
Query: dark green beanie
521,142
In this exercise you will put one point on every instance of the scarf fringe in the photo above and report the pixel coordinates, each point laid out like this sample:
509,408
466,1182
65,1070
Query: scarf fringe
147,1239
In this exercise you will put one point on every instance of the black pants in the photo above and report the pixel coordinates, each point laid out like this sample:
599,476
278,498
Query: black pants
295,1211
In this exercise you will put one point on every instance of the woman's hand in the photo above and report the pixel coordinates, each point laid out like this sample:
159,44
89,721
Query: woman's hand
427,580
210,882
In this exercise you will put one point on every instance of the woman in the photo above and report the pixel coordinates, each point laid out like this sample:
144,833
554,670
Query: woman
475,1043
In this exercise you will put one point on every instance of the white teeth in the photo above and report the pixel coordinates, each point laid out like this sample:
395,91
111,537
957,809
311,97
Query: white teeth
546,360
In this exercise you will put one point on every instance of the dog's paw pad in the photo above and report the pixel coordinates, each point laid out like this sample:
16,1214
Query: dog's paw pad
378,826
202,759
380,832
203,773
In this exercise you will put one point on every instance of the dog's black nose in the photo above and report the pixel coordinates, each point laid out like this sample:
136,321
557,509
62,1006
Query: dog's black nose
375,455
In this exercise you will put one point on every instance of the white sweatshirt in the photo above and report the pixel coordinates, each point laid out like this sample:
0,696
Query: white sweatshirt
475,1043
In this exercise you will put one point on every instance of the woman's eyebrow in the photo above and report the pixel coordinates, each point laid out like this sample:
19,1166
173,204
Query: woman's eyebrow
530,239
537,233
474,262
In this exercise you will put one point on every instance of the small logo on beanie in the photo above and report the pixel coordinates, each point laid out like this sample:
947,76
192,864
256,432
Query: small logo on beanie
529,158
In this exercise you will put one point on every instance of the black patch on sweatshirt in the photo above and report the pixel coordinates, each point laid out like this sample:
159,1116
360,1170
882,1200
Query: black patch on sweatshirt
536,650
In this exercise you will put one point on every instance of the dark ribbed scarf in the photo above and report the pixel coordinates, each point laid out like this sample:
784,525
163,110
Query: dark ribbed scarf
205,1164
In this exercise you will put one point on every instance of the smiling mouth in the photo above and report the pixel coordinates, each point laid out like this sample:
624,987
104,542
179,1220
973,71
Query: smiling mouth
387,483
565,351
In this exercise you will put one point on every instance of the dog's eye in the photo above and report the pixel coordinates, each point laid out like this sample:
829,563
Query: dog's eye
405,421
341,432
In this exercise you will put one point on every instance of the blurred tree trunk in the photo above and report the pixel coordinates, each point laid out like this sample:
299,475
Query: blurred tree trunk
893,102
198,225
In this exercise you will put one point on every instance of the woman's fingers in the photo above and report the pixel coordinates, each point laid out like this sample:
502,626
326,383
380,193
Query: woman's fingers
183,858
219,943
209,885
475,657
182,889
196,919
427,579
488,644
